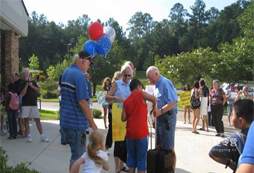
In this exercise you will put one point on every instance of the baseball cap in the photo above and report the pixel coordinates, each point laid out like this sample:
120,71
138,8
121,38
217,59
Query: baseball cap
86,55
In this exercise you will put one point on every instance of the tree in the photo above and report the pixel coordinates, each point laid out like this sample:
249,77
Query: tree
197,23
139,25
51,73
34,63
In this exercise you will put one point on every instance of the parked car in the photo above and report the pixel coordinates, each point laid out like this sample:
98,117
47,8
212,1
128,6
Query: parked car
226,87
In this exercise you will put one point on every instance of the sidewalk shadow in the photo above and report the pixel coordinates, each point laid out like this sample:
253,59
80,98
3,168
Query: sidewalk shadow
179,170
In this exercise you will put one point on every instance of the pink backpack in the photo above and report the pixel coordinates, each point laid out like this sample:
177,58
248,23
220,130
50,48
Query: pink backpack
14,103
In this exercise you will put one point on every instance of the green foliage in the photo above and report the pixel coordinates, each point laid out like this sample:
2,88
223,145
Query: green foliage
96,113
48,88
51,73
20,168
34,63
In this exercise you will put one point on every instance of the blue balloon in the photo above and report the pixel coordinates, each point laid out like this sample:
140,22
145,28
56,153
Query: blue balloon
103,45
90,47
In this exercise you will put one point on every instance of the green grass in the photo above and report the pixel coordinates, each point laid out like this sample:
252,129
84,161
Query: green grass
48,115
49,100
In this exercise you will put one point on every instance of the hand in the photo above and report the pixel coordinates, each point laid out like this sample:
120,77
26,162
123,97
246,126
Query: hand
31,85
157,112
94,126
106,127
120,99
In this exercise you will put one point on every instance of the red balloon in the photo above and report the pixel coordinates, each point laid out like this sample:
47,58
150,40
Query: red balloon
95,30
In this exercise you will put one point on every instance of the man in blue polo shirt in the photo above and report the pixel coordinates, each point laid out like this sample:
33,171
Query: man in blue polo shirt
75,114
166,108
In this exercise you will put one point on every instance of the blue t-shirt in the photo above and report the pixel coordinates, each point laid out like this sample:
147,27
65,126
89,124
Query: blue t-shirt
165,92
248,151
73,89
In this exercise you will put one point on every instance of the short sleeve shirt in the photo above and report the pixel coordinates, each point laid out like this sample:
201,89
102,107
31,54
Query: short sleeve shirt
217,96
30,98
122,89
73,89
248,151
165,92
228,148
90,166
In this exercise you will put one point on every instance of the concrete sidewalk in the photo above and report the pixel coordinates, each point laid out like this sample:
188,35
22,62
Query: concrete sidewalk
191,149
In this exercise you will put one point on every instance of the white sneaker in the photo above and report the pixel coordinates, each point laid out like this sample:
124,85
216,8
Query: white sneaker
44,139
3,132
29,138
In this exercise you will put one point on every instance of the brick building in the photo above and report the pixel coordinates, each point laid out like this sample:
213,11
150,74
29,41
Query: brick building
13,25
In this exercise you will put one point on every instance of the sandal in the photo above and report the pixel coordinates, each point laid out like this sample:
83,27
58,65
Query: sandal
201,129
124,169
196,132
10,138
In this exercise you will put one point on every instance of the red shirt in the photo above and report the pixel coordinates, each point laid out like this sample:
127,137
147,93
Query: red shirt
136,112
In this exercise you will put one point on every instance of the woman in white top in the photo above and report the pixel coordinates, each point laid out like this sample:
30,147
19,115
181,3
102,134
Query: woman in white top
94,159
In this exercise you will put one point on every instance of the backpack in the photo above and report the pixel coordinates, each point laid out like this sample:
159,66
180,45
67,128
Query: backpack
14,101
195,103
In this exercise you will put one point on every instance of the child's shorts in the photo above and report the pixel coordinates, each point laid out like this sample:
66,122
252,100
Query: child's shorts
137,151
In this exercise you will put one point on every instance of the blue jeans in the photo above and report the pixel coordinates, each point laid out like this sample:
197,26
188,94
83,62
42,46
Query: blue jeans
166,125
12,120
77,145
63,139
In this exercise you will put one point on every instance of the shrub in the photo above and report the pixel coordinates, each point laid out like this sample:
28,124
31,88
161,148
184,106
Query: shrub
96,113
48,89
20,168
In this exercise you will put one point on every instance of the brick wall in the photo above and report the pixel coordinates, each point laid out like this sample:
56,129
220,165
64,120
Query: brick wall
9,55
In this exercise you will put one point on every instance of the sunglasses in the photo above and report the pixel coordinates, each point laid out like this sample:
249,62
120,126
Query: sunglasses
89,58
127,75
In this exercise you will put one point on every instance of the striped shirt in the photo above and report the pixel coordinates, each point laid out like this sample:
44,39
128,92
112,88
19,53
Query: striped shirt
73,89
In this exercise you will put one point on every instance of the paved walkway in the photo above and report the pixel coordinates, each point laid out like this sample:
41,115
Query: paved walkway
191,149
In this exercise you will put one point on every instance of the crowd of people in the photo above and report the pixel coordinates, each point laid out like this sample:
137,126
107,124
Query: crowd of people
75,94
21,103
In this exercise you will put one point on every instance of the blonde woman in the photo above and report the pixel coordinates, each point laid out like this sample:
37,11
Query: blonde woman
95,159
106,85
119,92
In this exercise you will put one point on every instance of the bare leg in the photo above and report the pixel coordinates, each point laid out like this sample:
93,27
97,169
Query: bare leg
117,164
197,119
21,125
77,171
26,122
188,109
38,125
206,122
105,110
132,170
184,115
229,122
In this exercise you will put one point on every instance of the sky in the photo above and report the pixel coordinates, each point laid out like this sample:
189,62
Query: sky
122,11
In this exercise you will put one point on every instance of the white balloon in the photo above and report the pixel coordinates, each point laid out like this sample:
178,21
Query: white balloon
110,32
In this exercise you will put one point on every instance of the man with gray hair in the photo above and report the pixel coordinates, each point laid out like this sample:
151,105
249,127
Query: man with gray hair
166,108
29,90
75,113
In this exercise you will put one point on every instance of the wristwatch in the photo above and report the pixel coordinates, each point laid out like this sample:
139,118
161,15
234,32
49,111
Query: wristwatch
162,111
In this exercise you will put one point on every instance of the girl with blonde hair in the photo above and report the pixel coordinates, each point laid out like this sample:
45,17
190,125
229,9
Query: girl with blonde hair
94,159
